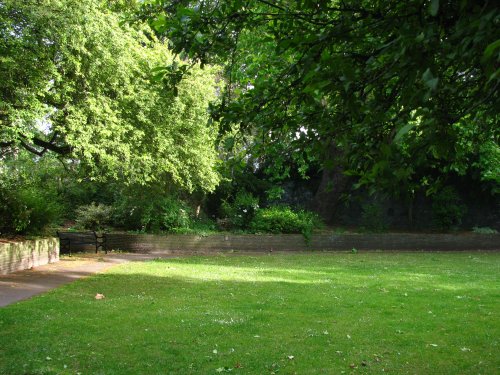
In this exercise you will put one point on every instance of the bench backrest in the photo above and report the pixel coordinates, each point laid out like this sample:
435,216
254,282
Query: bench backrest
82,237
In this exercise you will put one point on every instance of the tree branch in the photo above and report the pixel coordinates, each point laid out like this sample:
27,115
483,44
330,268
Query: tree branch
58,149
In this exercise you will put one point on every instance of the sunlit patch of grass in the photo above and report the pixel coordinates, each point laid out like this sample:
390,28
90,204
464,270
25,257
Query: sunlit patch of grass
305,314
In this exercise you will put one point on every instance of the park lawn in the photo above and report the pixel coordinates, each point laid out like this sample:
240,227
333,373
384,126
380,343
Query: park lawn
318,313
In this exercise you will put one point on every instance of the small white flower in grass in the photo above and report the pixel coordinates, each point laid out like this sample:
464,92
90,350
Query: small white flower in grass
224,369
464,349
214,351
290,357
325,332
349,337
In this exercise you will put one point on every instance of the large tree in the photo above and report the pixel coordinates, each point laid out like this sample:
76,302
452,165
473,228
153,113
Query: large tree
77,81
399,94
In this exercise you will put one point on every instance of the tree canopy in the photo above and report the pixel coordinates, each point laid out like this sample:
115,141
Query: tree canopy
400,94
77,81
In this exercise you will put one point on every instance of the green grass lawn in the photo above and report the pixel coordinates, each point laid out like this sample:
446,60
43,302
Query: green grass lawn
401,313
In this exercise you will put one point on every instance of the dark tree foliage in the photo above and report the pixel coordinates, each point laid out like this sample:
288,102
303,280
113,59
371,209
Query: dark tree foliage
399,94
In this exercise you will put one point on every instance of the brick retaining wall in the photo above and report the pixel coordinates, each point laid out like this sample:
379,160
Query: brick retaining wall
16,256
292,242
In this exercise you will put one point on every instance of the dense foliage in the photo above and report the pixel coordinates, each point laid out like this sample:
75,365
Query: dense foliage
76,81
30,197
152,211
448,209
37,195
341,108
401,96
282,219
240,212
94,216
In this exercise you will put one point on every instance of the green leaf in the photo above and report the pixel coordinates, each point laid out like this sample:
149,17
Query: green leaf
434,7
429,79
490,49
433,83
147,136
427,75
229,143
403,131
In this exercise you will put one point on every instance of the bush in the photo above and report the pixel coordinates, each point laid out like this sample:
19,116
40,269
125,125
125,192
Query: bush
94,216
282,219
484,230
241,211
447,208
202,227
27,209
128,212
43,207
276,220
30,195
171,215
149,213
373,218
10,206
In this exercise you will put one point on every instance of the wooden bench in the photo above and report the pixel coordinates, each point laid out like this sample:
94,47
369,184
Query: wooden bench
68,239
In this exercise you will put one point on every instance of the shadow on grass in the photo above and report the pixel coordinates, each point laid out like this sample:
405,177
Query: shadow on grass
254,270
193,315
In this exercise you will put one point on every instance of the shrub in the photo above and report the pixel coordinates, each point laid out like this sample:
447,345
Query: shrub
484,230
94,216
128,212
241,211
12,212
282,219
149,213
202,227
278,219
447,208
373,218
43,207
173,214
27,209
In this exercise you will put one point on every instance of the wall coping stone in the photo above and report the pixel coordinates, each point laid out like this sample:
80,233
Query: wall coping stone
295,242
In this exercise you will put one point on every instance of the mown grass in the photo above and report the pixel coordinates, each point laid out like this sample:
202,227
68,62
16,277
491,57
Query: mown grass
415,313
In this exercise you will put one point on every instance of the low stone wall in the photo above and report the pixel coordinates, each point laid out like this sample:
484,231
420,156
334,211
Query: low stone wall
16,256
291,242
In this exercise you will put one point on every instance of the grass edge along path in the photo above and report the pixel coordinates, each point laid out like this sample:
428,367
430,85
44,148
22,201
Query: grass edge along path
416,313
